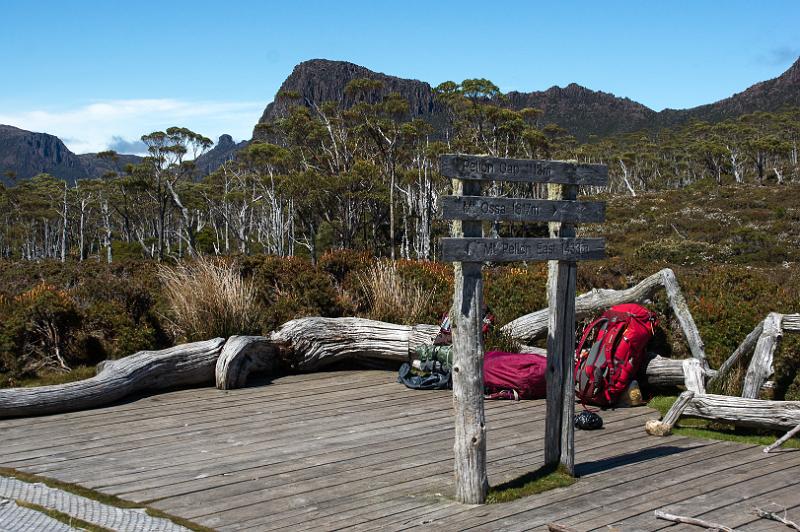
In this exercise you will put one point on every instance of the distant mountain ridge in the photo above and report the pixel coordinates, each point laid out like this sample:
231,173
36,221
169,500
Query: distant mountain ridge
25,154
581,111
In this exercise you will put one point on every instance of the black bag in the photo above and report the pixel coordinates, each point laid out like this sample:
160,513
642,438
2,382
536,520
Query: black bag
588,421
431,377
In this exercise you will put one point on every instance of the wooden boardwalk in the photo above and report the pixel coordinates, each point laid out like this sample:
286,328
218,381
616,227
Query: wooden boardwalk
353,449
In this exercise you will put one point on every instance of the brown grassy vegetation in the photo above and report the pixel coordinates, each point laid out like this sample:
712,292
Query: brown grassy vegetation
207,298
391,297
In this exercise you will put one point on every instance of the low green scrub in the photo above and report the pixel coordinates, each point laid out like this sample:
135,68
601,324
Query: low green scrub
48,378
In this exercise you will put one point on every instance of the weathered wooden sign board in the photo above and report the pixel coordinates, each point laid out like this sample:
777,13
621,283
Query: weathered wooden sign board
521,210
469,250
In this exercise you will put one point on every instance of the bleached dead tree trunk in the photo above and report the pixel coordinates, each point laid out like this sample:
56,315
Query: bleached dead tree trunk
182,365
761,364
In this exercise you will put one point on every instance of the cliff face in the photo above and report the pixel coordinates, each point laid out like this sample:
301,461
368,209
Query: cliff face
320,80
581,111
26,154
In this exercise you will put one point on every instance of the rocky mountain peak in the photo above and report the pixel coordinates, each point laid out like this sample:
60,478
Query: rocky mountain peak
225,140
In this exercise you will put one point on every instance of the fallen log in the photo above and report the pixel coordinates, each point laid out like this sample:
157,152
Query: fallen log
655,427
757,413
533,326
182,365
311,343
241,356
791,322
761,364
667,372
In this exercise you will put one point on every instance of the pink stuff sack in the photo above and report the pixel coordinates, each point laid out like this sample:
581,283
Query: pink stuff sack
514,375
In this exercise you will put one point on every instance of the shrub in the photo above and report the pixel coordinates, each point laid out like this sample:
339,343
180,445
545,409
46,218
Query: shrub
38,332
208,298
291,287
392,298
511,292
341,262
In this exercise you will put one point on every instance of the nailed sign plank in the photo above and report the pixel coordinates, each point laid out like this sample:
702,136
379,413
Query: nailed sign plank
515,249
471,167
521,210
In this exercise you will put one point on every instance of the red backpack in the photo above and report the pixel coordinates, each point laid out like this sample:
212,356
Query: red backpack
514,375
604,370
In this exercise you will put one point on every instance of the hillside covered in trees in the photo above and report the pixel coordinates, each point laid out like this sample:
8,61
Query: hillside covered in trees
358,173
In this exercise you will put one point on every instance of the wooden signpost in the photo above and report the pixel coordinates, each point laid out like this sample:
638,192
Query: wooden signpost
468,250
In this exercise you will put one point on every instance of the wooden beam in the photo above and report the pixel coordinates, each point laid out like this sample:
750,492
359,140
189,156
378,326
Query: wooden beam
484,168
693,521
783,439
521,210
559,428
521,249
466,316
694,376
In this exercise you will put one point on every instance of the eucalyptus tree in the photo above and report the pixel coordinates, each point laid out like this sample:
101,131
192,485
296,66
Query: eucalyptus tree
162,172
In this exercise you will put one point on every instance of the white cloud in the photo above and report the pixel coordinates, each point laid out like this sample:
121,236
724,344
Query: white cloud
100,125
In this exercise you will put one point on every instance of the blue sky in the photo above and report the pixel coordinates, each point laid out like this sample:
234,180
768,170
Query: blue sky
102,73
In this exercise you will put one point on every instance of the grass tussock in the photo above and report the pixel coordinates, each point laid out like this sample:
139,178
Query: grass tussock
541,480
392,298
208,298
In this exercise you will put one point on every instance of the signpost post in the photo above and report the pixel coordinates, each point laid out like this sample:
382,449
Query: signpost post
468,250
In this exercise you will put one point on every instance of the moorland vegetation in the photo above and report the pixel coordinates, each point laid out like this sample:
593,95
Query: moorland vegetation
308,222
